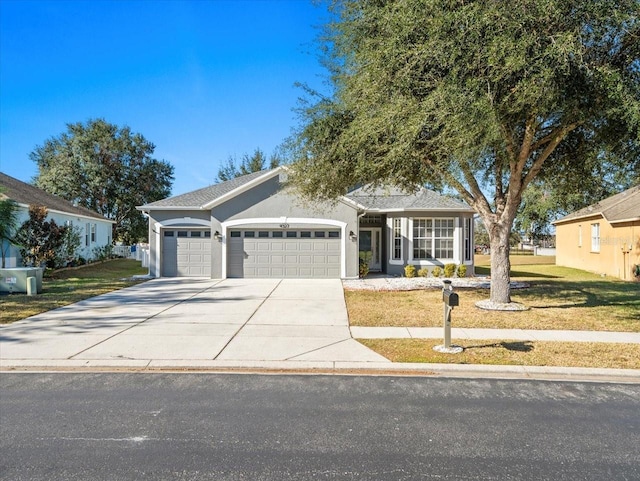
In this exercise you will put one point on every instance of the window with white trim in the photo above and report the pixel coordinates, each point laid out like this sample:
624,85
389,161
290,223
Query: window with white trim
595,237
93,232
432,238
396,239
579,236
422,238
443,238
468,248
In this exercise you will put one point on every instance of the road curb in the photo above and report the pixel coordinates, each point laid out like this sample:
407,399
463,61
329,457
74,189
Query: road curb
328,367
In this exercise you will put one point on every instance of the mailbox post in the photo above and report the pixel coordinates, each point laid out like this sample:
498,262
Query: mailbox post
450,300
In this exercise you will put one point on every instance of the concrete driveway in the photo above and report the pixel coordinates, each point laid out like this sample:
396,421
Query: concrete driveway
195,323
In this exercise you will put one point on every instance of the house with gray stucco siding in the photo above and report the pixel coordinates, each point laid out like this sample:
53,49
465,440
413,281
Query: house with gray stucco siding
257,226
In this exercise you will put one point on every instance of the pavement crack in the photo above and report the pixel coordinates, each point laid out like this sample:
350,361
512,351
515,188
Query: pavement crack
235,334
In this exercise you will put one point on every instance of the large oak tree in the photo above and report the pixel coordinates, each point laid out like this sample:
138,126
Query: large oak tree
479,96
107,169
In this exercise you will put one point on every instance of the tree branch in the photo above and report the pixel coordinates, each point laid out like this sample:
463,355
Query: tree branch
525,148
556,138
472,196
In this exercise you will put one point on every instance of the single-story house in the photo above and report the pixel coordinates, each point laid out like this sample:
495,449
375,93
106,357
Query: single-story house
603,237
95,231
256,226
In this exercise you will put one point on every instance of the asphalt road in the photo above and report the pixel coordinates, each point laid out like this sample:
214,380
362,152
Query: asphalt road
99,426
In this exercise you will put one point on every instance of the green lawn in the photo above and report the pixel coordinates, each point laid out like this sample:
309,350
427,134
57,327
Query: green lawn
559,298
69,286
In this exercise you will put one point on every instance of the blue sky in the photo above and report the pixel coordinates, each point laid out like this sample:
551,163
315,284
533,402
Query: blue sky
202,80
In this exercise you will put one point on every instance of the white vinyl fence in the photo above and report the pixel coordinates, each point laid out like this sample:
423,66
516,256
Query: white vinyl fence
139,252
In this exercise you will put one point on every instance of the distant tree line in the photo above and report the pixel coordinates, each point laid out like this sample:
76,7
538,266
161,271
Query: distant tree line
248,164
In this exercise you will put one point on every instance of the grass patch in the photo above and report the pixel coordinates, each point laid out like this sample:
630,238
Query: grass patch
521,353
69,286
559,298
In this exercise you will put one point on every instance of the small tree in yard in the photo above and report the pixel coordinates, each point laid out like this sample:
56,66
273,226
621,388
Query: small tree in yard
40,240
480,96
8,220
71,241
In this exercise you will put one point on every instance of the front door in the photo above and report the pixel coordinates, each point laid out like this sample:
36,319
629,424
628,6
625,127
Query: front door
369,241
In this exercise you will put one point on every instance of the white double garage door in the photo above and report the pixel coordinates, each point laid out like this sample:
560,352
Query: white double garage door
256,253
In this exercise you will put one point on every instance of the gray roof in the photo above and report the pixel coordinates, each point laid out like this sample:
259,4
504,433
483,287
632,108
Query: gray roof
393,198
198,198
624,206
28,194
380,199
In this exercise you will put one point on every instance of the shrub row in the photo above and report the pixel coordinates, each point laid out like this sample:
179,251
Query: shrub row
449,270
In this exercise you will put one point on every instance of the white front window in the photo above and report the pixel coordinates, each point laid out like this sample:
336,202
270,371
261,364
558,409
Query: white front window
432,238
422,238
396,238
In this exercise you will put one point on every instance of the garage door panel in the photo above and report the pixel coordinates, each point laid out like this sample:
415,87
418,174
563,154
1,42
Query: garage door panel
293,254
277,246
186,256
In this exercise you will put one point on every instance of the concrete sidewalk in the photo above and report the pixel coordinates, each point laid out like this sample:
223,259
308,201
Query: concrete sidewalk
506,334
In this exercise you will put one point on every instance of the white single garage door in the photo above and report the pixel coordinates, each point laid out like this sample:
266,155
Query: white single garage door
186,253
308,253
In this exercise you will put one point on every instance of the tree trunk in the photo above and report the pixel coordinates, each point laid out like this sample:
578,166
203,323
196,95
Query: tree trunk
500,264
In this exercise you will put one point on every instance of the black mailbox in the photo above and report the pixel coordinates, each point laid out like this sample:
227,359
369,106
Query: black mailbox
450,298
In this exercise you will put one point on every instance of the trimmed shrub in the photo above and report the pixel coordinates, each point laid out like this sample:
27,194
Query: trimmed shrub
449,270
364,258
437,271
409,271
423,272
462,271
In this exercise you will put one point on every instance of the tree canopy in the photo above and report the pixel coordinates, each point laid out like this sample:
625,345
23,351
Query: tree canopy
479,96
107,169
249,163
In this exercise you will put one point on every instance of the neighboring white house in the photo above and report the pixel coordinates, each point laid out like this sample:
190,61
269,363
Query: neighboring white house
95,231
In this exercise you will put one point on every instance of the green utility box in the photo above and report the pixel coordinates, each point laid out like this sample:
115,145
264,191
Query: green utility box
14,279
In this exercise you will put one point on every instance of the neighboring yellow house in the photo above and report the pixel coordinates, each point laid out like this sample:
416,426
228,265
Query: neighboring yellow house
604,237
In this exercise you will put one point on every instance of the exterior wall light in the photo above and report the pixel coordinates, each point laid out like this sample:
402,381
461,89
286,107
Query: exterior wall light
217,236
352,236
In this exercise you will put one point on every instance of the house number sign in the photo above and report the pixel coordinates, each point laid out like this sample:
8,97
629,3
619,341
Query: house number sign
284,226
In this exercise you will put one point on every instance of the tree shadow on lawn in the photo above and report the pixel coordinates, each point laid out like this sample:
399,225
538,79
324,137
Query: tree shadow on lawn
519,346
486,271
582,294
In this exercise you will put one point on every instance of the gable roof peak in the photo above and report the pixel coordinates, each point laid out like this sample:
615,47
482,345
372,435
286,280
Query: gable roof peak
204,197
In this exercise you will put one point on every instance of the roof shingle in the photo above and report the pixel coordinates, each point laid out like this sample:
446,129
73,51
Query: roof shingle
197,198
379,199
390,198
619,207
28,194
